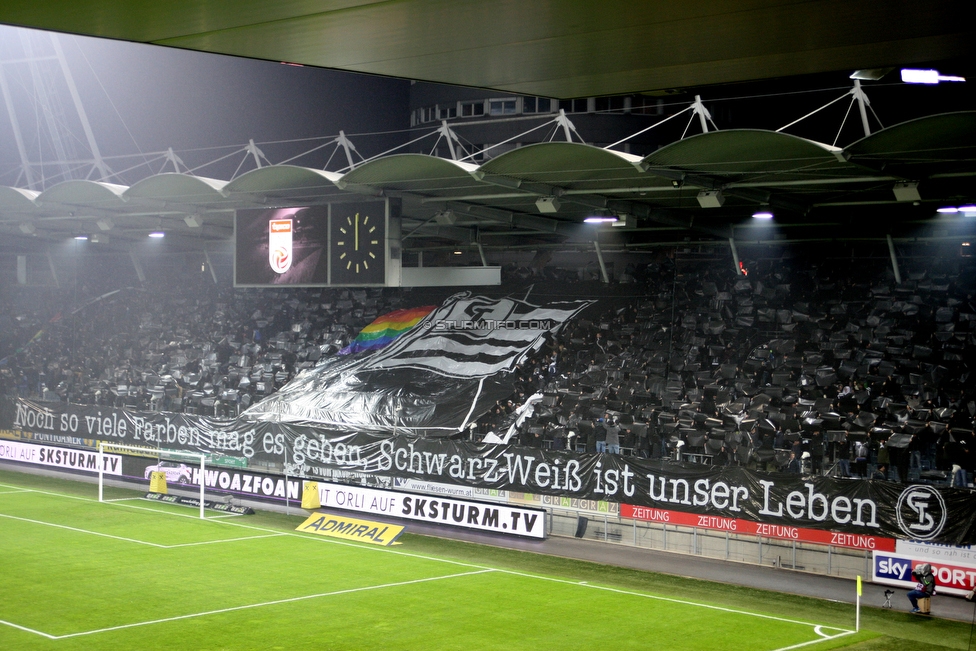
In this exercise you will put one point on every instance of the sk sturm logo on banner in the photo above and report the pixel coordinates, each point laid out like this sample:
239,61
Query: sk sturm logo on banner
475,336
279,245
921,512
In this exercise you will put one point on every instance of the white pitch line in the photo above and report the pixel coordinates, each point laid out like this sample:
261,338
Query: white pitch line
266,603
676,601
141,542
28,630
13,492
823,639
226,540
77,530
387,550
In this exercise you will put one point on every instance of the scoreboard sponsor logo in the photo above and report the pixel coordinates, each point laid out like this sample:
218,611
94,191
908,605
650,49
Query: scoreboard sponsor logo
280,245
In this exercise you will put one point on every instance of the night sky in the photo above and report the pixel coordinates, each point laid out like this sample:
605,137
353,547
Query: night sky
145,98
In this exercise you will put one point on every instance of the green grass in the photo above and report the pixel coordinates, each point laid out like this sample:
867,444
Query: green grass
138,575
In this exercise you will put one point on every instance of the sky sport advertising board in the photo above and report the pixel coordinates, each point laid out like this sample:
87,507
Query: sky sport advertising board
895,569
467,514
954,567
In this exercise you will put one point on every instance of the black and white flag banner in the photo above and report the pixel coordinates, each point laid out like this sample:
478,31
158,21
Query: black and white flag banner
475,337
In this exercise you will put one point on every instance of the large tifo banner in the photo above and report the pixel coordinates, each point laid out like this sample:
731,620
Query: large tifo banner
733,495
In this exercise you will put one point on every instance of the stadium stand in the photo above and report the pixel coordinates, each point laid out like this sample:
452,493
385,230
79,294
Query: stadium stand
801,366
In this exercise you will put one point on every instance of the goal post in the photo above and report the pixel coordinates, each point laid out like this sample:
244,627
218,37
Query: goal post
106,447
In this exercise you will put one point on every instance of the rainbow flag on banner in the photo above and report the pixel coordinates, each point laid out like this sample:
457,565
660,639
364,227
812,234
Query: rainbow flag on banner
386,328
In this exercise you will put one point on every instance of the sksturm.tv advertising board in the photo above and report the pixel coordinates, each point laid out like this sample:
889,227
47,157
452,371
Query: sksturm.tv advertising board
467,514
47,455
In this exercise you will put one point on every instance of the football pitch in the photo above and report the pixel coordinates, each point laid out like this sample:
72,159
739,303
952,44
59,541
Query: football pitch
133,574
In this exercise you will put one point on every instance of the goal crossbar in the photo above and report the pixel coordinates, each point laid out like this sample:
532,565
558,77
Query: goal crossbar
107,447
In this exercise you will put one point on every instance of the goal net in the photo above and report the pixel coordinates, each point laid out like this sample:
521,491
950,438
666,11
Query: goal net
175,464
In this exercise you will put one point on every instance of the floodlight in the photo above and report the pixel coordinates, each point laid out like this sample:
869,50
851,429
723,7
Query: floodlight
193,221
598,219
870,74
947,210
105,224
914,76
445,218
157,234
27,228
907,191
547,204
765,214
711,199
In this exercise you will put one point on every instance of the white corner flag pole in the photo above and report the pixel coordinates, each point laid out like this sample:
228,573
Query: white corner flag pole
101,466
203,482
857,617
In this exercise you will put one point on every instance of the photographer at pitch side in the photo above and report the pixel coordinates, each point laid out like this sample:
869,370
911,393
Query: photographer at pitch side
925,587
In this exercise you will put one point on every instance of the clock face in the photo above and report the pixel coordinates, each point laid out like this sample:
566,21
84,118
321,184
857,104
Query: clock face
358,244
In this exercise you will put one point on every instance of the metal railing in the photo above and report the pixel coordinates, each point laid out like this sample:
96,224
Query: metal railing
788,554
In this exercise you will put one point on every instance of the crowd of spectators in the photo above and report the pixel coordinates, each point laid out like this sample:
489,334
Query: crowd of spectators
179,347
798,367
805,368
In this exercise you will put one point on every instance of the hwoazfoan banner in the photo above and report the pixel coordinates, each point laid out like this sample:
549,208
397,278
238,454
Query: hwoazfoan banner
859,507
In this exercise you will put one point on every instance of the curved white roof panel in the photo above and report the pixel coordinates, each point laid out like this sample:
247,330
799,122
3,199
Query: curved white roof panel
178,187
418,173
17,200
942,143
280,180
751,153
91,194
570,165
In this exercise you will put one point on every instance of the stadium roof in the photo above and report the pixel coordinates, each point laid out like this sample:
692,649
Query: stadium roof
547,48
807,184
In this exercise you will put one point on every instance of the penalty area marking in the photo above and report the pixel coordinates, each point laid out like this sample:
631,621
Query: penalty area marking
817,627
246,606
135,540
